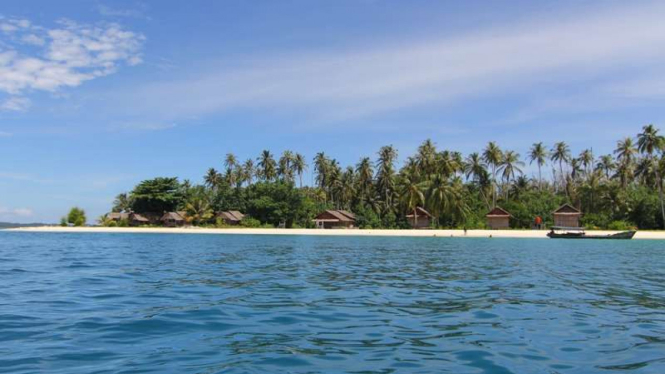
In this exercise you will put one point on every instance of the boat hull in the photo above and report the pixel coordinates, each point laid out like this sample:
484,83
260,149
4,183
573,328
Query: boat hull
618,236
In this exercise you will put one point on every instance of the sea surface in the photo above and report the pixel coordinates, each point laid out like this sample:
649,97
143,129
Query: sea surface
164,303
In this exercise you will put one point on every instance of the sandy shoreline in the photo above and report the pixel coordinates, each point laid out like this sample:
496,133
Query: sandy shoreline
246,231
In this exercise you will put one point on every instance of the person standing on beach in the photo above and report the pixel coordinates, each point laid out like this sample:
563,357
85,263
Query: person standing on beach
539,223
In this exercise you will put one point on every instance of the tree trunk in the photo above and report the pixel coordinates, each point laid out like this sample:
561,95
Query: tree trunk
415,217
540,179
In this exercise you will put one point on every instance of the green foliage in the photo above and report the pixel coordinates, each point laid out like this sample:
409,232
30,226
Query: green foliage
620,225
63,221
250,222
157,195
278,202
530,205
76,217
367,218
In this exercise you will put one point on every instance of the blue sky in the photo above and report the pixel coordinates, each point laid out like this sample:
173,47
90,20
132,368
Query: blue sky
96,96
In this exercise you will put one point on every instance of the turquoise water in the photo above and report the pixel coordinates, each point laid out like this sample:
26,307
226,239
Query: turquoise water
144,303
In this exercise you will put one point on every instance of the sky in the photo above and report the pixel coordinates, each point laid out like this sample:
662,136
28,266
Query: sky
96,96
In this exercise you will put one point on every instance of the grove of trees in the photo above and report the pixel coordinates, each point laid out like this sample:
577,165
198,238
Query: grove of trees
617,190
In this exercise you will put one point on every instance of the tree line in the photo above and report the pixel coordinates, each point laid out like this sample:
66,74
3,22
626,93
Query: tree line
617,190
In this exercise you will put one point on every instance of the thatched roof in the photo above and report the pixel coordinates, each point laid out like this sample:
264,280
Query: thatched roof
172,216
498,212
231,215
337,215
421,213
138,218
117,216
567,209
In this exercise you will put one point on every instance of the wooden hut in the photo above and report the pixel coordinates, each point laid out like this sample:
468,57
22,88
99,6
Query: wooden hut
117,217
498,218
231,217
172,219
136,219
335,219
567,216
420,219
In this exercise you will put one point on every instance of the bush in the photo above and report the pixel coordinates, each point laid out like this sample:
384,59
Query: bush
621,225
76,216
111,224
63,222
250,222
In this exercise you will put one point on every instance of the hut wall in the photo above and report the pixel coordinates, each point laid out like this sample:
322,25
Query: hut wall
423,222
567,220
497,223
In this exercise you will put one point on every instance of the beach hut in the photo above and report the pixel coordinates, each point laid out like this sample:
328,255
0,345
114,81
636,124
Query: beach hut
172,219
335,219
498,218
567,216
420,219
117,217
231,217
136,219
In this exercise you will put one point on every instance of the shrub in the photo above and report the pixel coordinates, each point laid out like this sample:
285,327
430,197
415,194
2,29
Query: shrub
76,216
620,225
250,222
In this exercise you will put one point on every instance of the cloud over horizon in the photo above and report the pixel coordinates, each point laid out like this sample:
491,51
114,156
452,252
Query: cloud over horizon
333,85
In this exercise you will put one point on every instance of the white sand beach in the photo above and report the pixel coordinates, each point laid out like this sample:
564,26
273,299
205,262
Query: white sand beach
542,234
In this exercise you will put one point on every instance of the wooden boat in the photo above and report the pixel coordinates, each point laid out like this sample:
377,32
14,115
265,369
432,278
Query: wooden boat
558,232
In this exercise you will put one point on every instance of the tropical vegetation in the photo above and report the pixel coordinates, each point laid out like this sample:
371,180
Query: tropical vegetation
621,189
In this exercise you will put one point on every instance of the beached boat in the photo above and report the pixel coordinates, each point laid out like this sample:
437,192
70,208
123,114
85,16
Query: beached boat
558,232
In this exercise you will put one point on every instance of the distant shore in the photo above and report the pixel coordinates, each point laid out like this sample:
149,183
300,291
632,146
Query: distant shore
542,234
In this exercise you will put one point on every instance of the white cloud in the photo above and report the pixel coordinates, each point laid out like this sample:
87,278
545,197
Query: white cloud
341,84
15,104
70,54
107,11
15,212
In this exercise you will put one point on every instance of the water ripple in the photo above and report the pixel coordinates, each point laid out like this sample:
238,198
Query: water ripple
95,303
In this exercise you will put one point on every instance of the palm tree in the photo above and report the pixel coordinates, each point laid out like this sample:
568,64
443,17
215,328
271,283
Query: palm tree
492,156
212,178
560,153
122,203
606,165
426,157
285,169
510,164
267,166
230,161
249,171
625,150
474,167
299,166
411,195
538,153
586,158
365,175
649,143
321,169
385,173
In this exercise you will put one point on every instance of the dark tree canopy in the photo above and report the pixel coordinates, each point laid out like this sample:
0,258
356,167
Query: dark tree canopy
157,195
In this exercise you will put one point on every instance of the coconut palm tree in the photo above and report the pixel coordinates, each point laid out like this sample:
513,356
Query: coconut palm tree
230,161
365,175
474,167
385,174
561,154
426,157
625,150
299,166
649,143
509,165
321,169
267,166
248,171
493,156
285,169
586,159
411,194
538,153
606,165
212,178
122,203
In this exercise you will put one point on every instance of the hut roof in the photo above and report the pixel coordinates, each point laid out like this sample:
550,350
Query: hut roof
421,213
175,216
339,215
118,216
139,218
498,212
567,209
231,215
